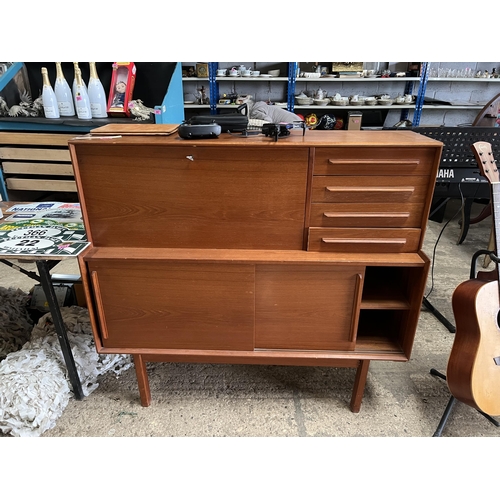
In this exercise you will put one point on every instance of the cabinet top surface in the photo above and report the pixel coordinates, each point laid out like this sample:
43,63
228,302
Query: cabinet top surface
369,138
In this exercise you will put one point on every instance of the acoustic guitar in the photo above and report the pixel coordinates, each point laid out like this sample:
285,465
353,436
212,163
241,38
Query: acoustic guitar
473,371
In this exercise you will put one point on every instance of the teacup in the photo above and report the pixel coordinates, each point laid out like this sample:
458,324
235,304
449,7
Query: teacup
233,72
246,72
221,72
254,73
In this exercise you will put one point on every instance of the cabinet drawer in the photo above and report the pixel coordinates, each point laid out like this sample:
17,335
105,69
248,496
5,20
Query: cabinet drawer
369,189
30,184
380,240
9,153
63,169
366,214
373,161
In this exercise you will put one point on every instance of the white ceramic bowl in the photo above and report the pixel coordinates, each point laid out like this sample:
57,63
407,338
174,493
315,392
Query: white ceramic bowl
304,101
321,102
274,72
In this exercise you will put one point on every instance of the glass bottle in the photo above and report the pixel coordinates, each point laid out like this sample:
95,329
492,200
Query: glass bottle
63,93
76,67
49,100
96,93
82,102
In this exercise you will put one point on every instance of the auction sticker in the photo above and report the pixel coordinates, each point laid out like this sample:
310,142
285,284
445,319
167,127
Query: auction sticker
28,244
35,232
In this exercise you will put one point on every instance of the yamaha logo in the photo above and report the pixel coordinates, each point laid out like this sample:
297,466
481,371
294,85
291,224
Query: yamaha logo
446,173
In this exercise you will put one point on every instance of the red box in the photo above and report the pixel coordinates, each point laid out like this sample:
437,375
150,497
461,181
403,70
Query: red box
122,87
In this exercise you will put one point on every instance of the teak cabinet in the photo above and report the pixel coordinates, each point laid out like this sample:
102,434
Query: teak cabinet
305,251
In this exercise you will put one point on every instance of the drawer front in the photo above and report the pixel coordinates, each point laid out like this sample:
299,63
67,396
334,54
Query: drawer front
32,184
366,214
369,189
396,161
164,305
63,169
13,153
307,307
363,240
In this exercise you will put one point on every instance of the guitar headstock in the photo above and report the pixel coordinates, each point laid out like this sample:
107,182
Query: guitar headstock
485,161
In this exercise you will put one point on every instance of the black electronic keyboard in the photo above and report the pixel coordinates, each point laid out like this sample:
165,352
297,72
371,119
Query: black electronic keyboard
455,182
458,176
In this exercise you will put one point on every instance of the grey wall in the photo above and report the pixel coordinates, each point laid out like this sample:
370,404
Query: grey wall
472,90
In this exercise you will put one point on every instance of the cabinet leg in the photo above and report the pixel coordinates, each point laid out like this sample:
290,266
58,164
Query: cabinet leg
142,380
359,385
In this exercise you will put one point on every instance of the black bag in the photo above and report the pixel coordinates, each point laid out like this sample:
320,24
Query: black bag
230,122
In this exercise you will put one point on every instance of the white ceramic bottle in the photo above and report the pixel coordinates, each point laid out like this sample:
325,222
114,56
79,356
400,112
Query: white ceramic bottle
97,96
75,65
63,93
82,102
49,100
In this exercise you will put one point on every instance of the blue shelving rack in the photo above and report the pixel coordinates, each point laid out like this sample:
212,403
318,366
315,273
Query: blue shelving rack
419,104
292,77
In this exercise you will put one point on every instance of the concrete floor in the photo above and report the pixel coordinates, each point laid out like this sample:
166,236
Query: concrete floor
400,399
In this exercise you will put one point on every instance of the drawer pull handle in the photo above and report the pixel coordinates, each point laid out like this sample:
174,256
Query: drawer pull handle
402,215
401,163
357,241
343,189
99,308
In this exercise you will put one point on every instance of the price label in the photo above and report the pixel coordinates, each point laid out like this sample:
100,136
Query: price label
16,245
35,232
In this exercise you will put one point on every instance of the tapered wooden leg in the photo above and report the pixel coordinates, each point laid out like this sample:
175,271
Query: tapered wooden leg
142,380
359,385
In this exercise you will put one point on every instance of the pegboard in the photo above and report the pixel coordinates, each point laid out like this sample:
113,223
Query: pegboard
457,142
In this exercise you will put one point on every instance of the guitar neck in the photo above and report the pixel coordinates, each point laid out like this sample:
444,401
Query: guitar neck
495,204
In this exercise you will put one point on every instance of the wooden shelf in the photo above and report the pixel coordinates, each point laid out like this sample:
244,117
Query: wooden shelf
394,303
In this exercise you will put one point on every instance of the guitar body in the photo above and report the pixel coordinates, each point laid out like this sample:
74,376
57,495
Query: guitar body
472,374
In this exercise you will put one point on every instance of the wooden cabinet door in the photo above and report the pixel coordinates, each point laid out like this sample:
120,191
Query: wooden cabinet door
194,196
306,307
164,305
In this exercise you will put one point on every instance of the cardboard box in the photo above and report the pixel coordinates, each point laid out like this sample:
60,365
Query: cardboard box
122,88
354,120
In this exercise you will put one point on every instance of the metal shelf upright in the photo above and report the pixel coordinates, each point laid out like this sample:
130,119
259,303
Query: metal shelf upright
419,104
